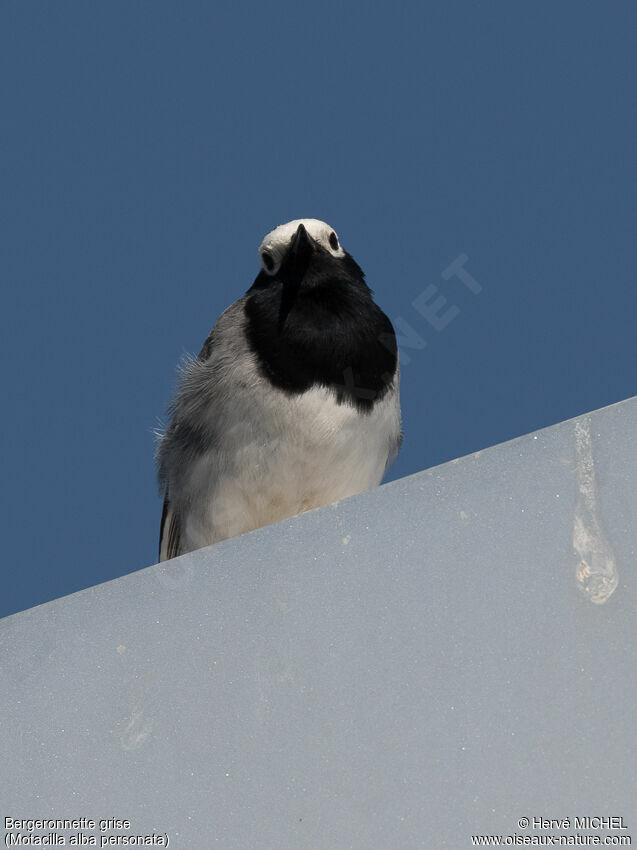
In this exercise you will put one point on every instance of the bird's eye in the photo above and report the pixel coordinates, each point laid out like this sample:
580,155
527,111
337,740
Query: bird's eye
267,260
333,241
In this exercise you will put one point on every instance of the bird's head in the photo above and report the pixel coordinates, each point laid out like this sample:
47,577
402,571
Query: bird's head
304,251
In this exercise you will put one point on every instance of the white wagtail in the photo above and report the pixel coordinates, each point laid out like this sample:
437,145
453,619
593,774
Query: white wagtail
292,402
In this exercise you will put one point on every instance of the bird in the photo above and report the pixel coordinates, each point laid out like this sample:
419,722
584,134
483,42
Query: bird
292,402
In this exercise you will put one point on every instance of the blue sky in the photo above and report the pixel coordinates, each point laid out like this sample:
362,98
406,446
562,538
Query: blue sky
146,149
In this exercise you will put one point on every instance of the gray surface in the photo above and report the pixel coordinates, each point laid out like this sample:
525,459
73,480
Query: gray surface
416,665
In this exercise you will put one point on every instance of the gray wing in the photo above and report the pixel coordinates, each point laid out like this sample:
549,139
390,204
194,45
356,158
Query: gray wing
169,534
396,443
187,436
170,529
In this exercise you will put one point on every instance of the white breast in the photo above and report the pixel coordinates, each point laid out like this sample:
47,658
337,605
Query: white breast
282,455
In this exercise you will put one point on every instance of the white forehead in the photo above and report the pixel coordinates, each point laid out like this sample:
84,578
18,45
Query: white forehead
278,239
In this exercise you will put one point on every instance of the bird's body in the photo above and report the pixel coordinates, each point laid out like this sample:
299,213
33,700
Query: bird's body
292,402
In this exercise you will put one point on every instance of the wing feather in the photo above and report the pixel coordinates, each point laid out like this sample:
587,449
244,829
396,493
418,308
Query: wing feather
170,534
